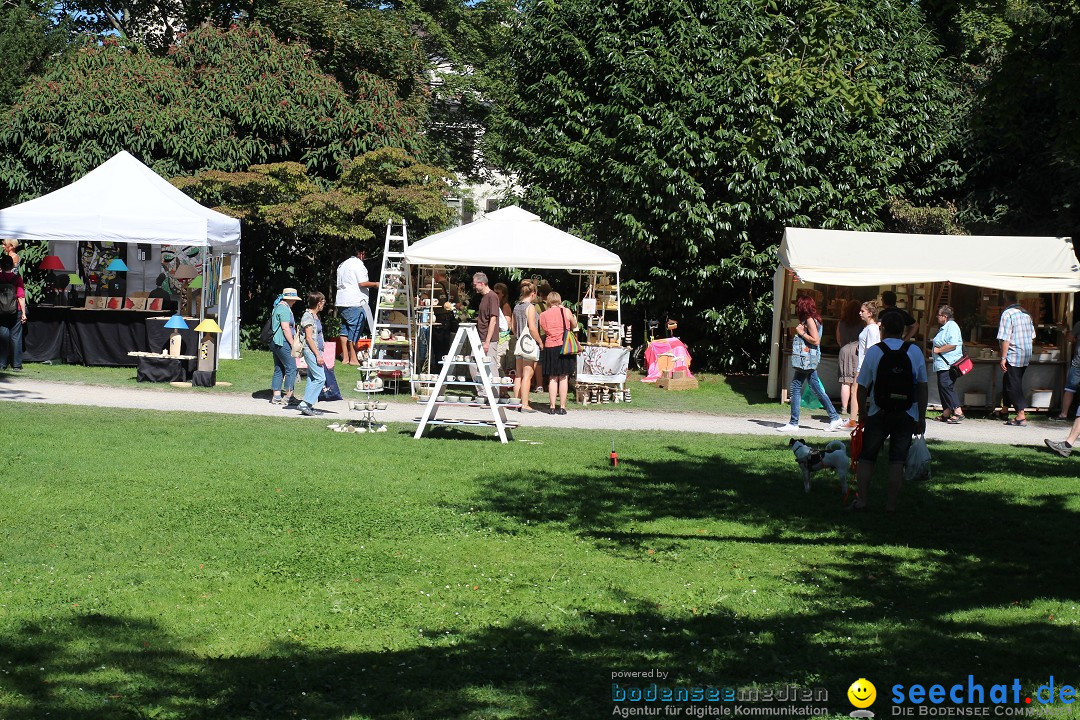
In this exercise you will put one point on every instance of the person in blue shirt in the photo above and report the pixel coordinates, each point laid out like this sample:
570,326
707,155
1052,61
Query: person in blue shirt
898,424
948,346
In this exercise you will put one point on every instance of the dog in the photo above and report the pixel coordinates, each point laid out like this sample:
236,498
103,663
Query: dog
810,461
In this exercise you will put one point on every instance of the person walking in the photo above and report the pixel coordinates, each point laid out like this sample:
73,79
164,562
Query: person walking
311,327
1016,333
12,313
487,320
1064,447
892,388
284,324
1072,380
351,300
555,321
805,356
948,347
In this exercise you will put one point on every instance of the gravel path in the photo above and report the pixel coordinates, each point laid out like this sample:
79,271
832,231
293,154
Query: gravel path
16,389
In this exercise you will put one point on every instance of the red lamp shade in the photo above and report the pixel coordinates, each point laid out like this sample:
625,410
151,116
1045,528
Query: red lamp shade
51,262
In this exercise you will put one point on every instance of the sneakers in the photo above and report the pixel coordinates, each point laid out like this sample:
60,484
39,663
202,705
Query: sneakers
836,424
277,400
308,410
849,425
1062,448
291,402
789,428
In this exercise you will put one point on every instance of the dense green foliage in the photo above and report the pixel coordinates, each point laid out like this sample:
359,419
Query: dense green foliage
222,99
29,41
685,136
296,229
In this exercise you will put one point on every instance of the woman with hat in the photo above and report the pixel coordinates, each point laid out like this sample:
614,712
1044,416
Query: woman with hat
284,324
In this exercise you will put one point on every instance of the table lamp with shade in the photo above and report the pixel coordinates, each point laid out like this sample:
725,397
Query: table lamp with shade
176,323
116,265
74,282
51,262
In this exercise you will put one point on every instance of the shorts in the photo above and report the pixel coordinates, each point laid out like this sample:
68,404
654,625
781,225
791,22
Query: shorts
352,323
898,427
1072,380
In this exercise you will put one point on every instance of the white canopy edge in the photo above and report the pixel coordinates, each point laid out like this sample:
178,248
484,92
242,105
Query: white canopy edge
512,238
121,200
860,259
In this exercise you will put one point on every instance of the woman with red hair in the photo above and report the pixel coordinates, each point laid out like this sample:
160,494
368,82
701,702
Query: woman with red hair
805,356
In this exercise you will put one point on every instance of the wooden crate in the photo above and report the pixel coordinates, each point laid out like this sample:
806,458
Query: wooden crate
676,381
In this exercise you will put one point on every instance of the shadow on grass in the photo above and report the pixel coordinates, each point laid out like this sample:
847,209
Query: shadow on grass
101,667
753,388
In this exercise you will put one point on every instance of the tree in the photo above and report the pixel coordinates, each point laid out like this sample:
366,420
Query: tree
221,99
296,229
29,39
687,135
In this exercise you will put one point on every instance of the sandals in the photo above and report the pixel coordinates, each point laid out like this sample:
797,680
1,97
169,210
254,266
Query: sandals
1016,423
952,420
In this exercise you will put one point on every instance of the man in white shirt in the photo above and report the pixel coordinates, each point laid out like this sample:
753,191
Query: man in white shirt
351,301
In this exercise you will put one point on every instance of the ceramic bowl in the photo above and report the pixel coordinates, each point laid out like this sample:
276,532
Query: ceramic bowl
440,398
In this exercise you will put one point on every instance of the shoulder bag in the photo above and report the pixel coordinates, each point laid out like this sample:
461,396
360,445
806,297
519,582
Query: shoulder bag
570,343
804,356
961,367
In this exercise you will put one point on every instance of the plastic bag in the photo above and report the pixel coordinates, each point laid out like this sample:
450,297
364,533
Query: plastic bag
809,397
918,460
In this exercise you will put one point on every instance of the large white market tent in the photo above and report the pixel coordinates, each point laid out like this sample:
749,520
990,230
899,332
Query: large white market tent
124,201
511,238
862,259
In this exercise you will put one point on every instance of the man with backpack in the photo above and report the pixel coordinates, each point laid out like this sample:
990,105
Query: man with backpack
892,386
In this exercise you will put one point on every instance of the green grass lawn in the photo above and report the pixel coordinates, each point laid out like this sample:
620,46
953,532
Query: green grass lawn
193,566
250,375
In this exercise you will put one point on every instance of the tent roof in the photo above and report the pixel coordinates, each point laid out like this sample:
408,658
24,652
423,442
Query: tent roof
859,259
121,200
511,237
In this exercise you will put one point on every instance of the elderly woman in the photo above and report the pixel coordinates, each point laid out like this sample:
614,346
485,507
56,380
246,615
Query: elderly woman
284,324
948,348
555,321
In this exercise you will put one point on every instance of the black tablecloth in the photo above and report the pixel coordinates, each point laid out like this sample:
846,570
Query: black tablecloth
97,337
156,369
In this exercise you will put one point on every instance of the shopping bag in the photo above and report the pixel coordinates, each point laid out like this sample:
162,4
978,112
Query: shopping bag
809,397
918,460
330,389
588,302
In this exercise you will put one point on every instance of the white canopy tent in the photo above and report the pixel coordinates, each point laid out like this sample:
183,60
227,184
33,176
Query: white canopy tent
124,201
512,238
862,259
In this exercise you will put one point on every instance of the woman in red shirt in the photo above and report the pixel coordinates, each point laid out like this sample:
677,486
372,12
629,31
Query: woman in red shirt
555,321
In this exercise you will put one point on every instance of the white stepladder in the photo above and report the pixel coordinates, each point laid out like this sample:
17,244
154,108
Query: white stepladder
477,365
391,351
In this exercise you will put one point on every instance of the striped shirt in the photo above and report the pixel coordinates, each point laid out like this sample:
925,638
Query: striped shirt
1016,327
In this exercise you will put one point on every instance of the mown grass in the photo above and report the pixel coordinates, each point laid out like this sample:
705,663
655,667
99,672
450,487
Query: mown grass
192,566
250,375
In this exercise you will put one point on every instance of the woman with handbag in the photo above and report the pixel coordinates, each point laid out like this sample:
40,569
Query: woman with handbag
805,356
526,343
556,323
948,349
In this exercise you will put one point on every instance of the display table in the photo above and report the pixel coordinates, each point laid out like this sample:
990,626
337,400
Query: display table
161,368
97,337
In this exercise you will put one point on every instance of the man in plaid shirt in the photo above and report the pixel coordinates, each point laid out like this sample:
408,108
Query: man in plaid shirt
1016,333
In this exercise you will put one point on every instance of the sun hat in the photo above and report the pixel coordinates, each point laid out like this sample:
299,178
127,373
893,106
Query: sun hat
289,294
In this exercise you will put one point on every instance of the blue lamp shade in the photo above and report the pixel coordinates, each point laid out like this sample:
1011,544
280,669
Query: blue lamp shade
117,265
176,322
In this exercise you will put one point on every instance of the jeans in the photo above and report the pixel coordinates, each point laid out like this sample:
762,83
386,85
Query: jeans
316,378
798,377
946,391
1012,387
284,369
5,343
17,343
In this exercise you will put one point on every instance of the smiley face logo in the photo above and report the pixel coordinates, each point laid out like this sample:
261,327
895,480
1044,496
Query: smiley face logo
862,693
